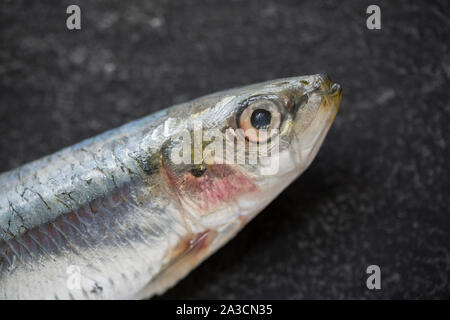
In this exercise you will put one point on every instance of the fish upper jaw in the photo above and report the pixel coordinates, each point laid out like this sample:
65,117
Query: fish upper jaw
323,105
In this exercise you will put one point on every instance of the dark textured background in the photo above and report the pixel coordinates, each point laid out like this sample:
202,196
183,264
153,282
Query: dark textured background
377,192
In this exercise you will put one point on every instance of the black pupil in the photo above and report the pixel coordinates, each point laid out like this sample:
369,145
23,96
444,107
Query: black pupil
260,118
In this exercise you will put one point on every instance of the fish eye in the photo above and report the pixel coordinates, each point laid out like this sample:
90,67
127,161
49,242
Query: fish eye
263,114
260,118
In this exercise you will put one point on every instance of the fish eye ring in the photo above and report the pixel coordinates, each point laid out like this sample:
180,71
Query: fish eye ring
260,115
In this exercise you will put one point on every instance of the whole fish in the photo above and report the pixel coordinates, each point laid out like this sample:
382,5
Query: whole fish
117,217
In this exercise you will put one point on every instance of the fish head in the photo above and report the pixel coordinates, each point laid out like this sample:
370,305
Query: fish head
242,147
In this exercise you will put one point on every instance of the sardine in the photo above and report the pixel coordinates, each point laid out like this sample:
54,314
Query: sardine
116,217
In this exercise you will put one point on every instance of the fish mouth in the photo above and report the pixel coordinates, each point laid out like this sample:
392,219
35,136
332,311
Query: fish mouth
332,91
309,138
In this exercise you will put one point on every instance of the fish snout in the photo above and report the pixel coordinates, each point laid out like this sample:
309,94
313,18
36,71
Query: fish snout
327,86
323,104
331,93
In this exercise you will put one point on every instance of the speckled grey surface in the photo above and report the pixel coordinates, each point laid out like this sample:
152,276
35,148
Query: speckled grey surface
376,194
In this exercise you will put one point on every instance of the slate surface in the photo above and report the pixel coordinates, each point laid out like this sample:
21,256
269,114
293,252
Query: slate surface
377,193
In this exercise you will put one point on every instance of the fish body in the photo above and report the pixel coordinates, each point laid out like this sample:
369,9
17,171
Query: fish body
118,216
